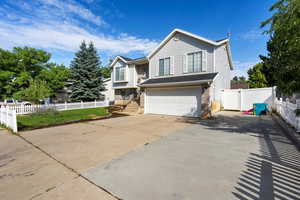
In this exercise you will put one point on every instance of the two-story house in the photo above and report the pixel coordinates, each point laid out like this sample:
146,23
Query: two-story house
182,76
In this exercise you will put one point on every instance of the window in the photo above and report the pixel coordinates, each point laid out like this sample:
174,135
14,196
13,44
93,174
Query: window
164,67
120,73
194,62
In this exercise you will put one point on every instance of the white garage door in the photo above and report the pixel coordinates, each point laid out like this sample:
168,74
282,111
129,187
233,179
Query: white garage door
179,101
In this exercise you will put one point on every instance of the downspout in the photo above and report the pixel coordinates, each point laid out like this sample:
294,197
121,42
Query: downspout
214,70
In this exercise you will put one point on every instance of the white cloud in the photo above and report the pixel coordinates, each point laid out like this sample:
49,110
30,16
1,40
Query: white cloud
55,25
247,64
75,8
67,37
252,34
241,68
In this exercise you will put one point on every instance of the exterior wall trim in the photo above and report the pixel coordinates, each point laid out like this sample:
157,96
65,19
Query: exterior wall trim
177,84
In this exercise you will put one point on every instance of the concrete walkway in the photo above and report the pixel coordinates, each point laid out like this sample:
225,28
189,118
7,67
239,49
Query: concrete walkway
232,157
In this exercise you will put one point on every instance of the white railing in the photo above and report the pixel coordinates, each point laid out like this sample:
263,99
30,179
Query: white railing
8,118
26,109
287,112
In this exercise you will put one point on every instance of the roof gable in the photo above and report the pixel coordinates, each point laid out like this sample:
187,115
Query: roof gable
173,33
116,60
214,43
197,37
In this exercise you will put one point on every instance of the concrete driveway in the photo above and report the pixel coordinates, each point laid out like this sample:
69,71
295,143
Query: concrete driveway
232,157
47,163
152,157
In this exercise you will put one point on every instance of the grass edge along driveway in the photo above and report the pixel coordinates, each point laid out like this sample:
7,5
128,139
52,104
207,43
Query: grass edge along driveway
29,122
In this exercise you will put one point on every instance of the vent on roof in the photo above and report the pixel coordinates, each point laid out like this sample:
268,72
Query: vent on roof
176,37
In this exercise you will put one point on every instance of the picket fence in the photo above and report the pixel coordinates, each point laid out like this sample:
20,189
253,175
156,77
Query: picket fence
8,118
286,110
26,109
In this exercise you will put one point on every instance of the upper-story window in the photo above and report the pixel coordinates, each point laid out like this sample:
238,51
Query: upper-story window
164,67
120,73
194,61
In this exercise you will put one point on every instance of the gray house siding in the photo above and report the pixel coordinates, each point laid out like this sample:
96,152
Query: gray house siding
176,50
129,76
222,66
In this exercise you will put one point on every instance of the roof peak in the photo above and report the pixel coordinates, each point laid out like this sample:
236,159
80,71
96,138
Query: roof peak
198,36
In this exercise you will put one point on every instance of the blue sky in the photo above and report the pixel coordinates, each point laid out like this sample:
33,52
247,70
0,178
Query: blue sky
132,27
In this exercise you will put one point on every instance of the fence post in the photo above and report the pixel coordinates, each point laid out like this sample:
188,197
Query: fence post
273,98
95,103
241,99
298,117
81,104
22,109
14,121
66,105
6,122
1,116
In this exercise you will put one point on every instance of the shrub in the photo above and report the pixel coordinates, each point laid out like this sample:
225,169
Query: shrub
45,111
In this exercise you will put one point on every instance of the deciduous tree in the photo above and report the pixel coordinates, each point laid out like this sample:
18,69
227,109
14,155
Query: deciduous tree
35,93
257,78
282,64
19,66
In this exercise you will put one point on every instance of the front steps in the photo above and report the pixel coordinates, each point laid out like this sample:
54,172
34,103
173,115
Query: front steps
132,107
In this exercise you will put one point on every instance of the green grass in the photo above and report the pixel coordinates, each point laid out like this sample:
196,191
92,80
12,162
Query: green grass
28,122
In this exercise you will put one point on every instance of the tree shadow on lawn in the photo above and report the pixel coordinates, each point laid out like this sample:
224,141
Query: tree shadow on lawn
274,173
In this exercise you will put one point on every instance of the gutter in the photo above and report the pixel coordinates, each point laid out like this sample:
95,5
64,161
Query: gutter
184,83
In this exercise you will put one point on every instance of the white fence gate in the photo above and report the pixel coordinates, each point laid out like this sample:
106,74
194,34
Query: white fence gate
8,118
243,99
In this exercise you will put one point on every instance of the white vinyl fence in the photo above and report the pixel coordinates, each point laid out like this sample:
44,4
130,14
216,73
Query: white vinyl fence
287,112
8,118
243,99
25,109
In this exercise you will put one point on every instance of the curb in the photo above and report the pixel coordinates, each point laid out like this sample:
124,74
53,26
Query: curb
288,131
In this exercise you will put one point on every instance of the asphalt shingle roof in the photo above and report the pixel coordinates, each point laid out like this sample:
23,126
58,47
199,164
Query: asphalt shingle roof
178,79
125,58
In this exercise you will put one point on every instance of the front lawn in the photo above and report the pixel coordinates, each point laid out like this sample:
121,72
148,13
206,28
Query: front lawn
32,121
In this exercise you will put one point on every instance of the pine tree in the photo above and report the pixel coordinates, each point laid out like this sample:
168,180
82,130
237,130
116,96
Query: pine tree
86,76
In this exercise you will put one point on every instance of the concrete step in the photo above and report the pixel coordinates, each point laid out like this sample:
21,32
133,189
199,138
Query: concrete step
131,110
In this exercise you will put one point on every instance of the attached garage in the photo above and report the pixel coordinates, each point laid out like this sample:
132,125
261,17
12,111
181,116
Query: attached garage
187,95
180,101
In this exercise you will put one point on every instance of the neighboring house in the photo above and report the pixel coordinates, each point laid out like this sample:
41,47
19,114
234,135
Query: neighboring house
239,85
182,76
109,92
63,95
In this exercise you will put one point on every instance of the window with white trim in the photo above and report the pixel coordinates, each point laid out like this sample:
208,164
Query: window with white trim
120,73
194,62
164,66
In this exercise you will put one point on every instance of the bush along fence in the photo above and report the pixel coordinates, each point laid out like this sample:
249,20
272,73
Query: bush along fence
287,111
26,109
8,118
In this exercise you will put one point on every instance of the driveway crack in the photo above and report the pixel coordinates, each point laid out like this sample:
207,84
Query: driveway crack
64,165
